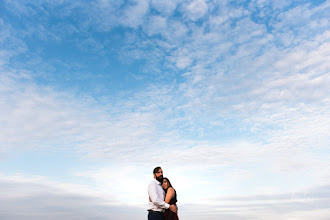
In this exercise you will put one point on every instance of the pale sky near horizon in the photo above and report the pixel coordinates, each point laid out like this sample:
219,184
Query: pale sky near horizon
230,98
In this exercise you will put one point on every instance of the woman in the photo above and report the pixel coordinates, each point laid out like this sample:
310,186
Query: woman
170,198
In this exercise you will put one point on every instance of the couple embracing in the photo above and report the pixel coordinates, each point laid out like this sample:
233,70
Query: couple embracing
162,198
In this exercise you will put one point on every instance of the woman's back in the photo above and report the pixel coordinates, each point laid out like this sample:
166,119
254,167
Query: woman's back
169,215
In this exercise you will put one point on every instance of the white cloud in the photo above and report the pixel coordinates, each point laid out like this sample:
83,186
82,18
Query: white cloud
90,44
183,62
102,14
41,117
196,9
134,14
11,45
129,183
176,32
296,205
156,25
165,7
38,198
306,58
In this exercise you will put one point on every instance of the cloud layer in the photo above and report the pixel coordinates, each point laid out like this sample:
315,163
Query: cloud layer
233,95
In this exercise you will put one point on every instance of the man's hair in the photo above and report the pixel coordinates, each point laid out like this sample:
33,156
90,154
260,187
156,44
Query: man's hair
156,169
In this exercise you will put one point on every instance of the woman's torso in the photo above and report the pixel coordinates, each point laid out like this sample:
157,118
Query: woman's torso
169,215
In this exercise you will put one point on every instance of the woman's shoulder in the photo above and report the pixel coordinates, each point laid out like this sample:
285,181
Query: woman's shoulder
171,189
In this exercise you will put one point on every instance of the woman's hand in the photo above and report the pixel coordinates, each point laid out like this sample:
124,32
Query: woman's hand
173,208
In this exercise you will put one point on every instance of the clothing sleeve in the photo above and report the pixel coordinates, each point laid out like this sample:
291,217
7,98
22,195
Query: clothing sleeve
152,191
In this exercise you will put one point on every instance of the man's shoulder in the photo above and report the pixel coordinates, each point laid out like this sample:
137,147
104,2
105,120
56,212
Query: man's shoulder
152,182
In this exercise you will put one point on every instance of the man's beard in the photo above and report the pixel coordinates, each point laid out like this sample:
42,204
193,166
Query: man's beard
160,178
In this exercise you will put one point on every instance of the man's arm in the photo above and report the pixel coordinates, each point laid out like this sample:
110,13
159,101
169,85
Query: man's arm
152,191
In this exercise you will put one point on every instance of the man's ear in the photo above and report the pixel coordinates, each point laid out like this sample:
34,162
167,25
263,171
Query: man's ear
154,176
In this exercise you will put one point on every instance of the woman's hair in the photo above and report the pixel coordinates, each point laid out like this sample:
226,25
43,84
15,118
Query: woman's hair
169,183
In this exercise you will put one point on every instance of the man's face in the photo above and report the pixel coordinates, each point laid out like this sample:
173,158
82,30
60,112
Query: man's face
159,175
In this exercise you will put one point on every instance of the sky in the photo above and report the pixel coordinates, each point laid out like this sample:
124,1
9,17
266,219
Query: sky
230,98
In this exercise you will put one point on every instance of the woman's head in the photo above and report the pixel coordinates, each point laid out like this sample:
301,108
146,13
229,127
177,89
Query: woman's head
166,183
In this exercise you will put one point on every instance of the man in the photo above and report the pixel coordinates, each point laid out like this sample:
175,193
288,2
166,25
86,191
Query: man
156,193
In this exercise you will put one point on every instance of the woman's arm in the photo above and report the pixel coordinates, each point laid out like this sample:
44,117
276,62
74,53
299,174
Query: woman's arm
169,195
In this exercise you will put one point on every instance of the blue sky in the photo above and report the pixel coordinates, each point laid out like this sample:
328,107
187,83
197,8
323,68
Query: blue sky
229,97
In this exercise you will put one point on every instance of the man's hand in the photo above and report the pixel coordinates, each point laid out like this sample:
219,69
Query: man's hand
173,208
